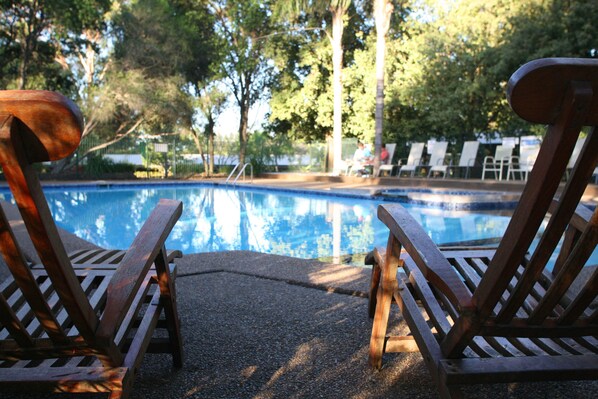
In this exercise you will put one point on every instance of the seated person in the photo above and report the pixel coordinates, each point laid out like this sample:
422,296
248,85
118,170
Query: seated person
384,155
361,158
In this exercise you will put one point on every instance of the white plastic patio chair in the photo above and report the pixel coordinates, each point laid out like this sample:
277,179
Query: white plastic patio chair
389,165
437,154
466,160
413,160
528,152
495,163
575,154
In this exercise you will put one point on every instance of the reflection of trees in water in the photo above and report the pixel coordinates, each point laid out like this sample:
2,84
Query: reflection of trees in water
221,219
313,235
97,217
243,220
359,237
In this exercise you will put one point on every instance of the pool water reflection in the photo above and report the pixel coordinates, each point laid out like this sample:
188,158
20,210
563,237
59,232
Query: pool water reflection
277,222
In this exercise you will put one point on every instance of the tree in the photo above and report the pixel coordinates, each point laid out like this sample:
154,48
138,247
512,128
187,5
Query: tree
446,90
338,10
33,35
161,47
244,26
382,13
211,103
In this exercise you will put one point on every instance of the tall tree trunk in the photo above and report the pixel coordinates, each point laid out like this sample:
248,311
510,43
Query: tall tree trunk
243,133
197,141
337,79
26,51
244,105
22,81
382,12
211,153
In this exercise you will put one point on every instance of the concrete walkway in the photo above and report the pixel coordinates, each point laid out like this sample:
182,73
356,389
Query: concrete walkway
265,326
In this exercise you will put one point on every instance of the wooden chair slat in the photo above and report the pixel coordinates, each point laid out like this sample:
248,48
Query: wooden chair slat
19,268
435,312
571,268
140,299
550,347
579,307
13,325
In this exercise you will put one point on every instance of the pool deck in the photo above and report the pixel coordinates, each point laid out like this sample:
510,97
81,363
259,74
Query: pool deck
266,326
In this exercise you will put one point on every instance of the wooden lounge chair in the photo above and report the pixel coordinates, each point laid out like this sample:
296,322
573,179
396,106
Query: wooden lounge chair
505,315
67,327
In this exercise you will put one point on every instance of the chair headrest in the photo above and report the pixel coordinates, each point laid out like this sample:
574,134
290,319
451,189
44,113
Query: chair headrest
537,89
50,124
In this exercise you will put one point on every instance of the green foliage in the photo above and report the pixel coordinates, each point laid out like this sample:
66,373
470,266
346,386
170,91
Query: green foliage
145,67
97,166
263,151
165,38
187,168
35,36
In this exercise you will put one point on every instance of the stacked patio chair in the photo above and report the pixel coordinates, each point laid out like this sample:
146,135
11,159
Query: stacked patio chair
466,160
413,160
388,167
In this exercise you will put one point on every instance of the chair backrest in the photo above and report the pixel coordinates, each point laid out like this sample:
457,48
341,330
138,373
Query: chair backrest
503,152
40,126
415,154
563,94
437,153
509,141
391,151
469,153
528,149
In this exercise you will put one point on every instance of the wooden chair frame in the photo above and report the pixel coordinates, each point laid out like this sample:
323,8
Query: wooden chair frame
79,324
500,315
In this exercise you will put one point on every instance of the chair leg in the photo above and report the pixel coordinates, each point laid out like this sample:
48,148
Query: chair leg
384,300
374,284
168,299
125,388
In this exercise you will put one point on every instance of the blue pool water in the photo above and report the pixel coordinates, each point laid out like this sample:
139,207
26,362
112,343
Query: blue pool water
277,222
217,218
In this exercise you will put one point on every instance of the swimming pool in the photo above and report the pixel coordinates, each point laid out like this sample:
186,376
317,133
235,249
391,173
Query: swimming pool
220,218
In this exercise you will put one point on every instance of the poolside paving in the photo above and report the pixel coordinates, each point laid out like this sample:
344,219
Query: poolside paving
265,326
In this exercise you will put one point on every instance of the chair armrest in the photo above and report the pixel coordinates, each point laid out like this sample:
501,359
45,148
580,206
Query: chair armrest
489,159
580,218
426,255
136,263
